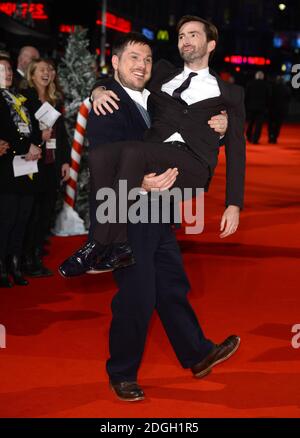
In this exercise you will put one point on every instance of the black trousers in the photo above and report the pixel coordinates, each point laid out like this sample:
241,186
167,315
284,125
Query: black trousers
130,161
274,124
15,209
255,124
156,282
40,219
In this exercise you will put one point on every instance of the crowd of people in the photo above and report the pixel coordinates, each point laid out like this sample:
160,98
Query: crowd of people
266,100
28,201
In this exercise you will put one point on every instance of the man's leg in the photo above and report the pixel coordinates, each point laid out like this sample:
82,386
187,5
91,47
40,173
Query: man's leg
136,159
251,121
192,348
133,304
173,307
259,120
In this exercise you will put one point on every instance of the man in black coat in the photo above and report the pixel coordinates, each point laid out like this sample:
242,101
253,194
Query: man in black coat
181,102
257,102
157,280
25,56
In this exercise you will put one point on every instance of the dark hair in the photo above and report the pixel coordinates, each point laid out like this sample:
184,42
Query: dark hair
129,38
6,58
209,28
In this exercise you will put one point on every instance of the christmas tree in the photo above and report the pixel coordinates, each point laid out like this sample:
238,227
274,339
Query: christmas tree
76,73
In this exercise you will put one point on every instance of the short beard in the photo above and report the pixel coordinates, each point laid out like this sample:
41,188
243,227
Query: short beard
127,84
190,57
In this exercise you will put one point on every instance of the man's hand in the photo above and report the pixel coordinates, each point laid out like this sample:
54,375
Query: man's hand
164,181
230,221
219,123
33,154
65,171
104,100
4,146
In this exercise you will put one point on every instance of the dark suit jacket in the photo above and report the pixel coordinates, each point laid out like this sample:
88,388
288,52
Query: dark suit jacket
18,80
169,115
125,124
19,146
258,94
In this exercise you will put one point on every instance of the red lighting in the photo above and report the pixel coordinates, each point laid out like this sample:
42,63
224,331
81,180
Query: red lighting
37,10
236,59
116,23
107,51
67,28
238,69
252,60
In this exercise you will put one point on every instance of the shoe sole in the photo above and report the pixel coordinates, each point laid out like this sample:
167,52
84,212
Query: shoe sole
93,271
208,370
120,265
127,399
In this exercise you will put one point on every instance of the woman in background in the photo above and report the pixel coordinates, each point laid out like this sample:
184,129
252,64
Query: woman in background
55,164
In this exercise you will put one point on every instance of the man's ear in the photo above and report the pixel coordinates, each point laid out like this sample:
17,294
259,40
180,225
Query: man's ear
115,62
211,46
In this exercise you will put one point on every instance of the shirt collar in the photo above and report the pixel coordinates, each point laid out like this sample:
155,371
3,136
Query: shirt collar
21,72
202,73
140,97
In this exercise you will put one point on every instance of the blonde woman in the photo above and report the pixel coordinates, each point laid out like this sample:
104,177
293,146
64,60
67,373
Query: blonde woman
55,164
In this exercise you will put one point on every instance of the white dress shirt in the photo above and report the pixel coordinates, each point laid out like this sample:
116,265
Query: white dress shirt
203,86
140,97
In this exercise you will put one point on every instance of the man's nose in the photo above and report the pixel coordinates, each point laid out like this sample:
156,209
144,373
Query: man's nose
141,64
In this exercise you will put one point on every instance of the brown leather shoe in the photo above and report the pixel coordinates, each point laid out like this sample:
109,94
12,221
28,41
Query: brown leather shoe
220,353
128,391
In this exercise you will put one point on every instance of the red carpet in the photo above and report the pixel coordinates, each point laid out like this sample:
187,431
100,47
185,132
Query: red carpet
57,329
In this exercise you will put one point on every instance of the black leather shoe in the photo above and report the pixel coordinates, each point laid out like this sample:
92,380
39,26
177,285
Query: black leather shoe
219,353
14,264
83,259
128,391
119,256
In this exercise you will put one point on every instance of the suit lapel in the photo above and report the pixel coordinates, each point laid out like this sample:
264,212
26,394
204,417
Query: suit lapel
222,85
125,98
172,75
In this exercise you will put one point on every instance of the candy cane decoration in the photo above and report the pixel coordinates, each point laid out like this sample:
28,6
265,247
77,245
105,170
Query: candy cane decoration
76,152
68,222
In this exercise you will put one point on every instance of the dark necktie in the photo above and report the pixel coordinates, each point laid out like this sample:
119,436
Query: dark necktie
177,93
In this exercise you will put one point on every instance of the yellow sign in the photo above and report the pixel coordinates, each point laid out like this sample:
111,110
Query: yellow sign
163,35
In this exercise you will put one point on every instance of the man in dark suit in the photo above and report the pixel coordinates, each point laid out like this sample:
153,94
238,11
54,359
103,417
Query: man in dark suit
157,280
25,56
180,103
257,101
